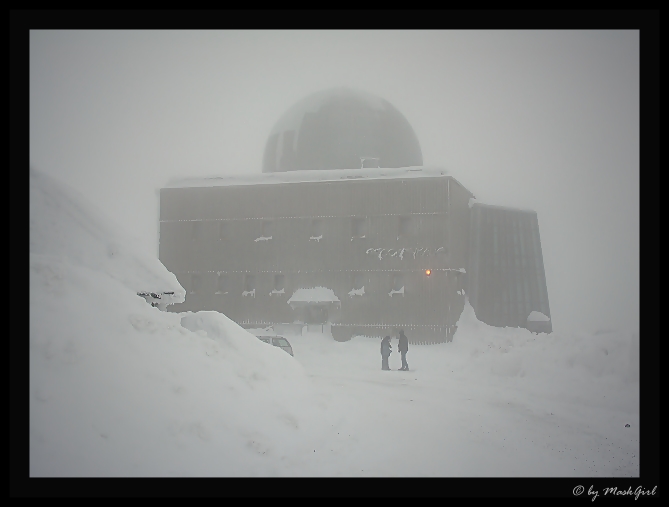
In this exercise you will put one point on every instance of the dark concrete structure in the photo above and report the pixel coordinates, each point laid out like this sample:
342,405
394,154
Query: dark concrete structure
366,249
244,249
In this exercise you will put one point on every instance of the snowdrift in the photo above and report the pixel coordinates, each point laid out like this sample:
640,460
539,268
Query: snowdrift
66,228
119,388
574,366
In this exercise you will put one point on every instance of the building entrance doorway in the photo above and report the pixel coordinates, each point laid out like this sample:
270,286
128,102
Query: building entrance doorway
315,314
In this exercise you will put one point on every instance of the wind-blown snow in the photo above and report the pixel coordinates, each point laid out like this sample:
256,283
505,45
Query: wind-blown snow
119,388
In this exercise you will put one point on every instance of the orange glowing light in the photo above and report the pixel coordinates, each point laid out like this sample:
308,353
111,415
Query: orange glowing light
428,272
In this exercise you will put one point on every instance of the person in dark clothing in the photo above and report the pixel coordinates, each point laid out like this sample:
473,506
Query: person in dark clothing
386,349
403,347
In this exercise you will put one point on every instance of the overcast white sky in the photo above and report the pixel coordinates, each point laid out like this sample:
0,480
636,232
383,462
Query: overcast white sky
547,120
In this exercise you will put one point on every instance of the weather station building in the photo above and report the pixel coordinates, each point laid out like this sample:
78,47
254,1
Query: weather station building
345,228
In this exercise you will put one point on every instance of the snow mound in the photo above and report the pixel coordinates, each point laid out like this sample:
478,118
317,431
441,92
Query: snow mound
66,228
241,345
536,316
119,388
573,365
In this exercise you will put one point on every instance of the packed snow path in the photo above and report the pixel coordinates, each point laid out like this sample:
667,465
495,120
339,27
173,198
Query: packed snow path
450,418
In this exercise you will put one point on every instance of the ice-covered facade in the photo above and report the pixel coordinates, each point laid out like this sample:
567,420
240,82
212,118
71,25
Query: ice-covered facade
344,205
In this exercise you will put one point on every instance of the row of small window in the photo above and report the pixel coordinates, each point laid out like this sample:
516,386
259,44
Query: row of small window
406,225
224,284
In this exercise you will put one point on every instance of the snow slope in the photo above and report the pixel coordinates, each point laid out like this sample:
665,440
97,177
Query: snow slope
118,388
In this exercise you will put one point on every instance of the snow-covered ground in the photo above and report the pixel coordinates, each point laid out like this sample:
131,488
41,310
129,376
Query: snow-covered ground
119,388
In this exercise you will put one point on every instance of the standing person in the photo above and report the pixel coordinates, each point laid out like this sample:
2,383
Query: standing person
403,347
386,349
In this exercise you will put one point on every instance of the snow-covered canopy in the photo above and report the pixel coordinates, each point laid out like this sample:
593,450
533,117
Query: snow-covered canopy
314,295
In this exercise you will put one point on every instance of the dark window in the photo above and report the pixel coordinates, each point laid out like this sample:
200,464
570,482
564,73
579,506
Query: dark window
405,226
223,284
267,228
358,227
249,282
222,230
279,281
196,283
357,280
397,281
196,230
316,229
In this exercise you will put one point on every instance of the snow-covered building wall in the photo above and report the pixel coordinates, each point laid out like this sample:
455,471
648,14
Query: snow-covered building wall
381,230
393,241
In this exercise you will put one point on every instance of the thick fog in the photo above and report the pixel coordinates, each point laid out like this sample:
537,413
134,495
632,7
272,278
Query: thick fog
546,120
